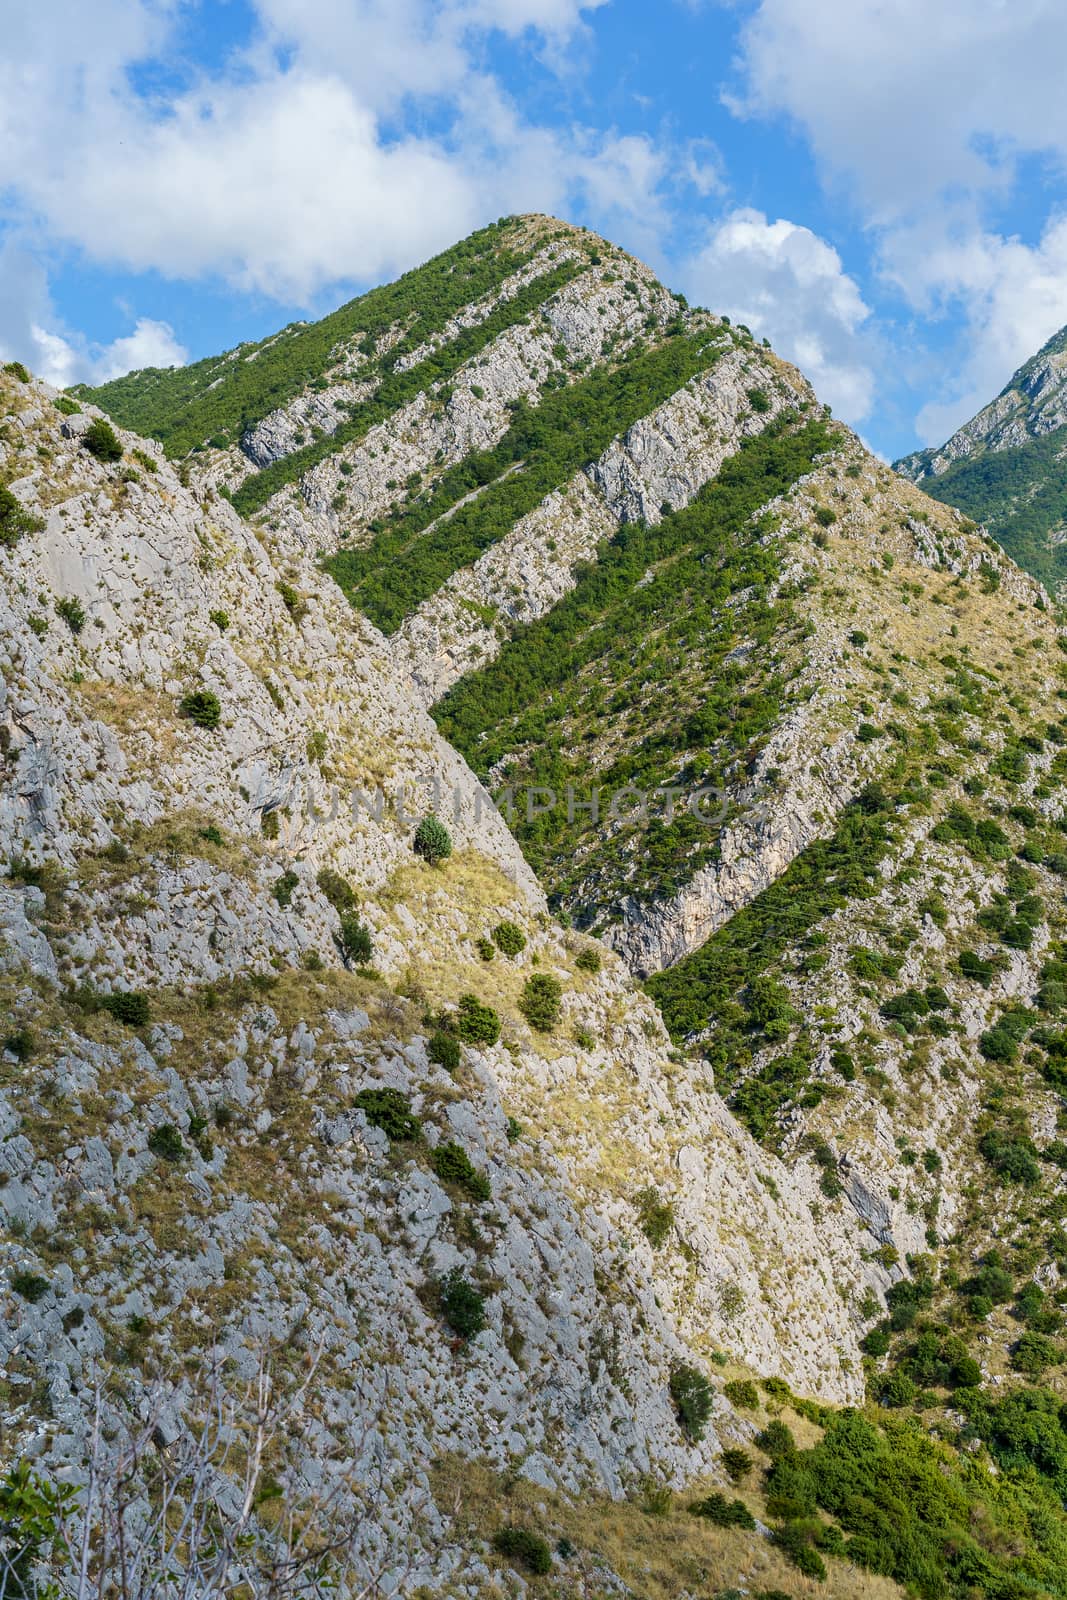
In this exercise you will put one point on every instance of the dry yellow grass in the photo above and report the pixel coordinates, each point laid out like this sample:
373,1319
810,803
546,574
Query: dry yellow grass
657,1557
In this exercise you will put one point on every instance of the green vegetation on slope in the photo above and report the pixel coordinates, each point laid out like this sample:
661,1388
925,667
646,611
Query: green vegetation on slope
906,1506
218,398
722,988
546,444
1020,495
638,652
398,388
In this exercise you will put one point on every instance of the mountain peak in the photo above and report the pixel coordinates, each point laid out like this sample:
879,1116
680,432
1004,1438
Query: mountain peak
1007,467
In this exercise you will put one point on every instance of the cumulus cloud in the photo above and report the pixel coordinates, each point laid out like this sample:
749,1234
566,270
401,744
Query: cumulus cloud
908,100
923,115
285,172
1014,297
30,331
789,286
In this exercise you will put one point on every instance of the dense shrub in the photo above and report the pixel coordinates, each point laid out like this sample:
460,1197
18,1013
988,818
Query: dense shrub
509,938
202,707
29,1286
16,369
693,1398
22,1044
723,1512
354,940
445,1051
588,959
389,1110
742,1392
72,612
540,1001
283,887
462,1307
101,441
128,1006
528,1549
475,1023
388,578
452,1164
166,1142
655,1216
737,1462
338,890
486,949
432,841
15,520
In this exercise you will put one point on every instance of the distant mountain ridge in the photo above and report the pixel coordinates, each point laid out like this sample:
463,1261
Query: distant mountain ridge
1007,467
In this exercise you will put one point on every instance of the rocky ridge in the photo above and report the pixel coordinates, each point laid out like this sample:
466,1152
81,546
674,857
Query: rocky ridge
1006,467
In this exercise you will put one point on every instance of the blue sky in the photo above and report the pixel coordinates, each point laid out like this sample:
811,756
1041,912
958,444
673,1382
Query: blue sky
878,186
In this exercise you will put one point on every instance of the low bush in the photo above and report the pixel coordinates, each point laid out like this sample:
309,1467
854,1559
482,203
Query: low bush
389,1110
354,940
15,520
724,1513
452,1164
166,1142
432,841
794,1539
282,888
655,1216
509,938
15,369
693,1398
72,612
540,1001
29,1286
486,949
338,890
21,1044
526,1548
462,1307
475,1023
588,959
101,441
128,1006
742,1392
1033,1353
445,1051
202,707
737,1462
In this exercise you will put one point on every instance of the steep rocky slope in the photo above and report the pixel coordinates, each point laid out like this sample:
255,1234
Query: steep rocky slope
611,544
1007,467
187,1160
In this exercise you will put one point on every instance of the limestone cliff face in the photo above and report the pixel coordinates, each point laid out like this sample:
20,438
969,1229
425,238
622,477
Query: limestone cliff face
148,854
806,1063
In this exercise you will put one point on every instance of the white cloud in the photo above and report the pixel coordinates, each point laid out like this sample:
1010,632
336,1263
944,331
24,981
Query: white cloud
30,331
1014,295
906,99
790,286
286,173
923,113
